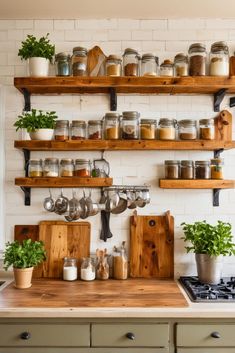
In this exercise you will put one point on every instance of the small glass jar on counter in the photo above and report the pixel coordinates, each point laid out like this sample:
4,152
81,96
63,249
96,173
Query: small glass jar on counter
51,167
113,65
82,168
78,130
172,169
148,128
88,269
167,68
62,130
187,129
187,169
202,170
120,263
131,59
217,166
197,59
66,167
219,59
167,129
181,65
111,126
95,129
130,125
70,270
102,268
207,129
35,168
149,65
79,61
62,64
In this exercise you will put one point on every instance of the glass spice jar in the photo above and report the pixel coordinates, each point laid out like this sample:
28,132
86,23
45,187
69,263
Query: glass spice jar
102,268
207,129
131,59
95,129
197,59
111,126
51,167
35,168
88,269
120,263
113,65
78,130
149,65
202,170
130,125
181,65
172,169
62,130
217,168
62,64
70,270
167,68
187,169
187,129
167,129
219,59
66,167
148,128
79,61
82,168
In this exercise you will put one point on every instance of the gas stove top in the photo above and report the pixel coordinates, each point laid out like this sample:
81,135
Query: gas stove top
223,292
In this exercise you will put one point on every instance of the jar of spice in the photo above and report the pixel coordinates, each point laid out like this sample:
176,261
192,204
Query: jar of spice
113,65
51,167
187,129
70,270
148,128
95,129
78,130
79,61
130,125
167,68
217,168
131,59
167,129
207,129
35,168
219,59
197,59
62,64
62,130
87,269
187,169
102,268
120,263
181,65
202,170
82,168
149,65
66,167
111,126
172,169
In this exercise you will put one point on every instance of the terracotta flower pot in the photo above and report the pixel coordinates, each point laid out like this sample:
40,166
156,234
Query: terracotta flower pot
23,277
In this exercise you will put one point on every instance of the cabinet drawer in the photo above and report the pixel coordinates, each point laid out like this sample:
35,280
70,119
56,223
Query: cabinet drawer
189,335
116,335
83,350
203,350
45,335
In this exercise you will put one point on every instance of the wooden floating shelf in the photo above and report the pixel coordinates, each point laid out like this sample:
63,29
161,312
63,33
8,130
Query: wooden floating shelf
196,184
60,182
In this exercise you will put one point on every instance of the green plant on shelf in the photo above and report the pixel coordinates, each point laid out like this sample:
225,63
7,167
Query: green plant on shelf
32,47
36,119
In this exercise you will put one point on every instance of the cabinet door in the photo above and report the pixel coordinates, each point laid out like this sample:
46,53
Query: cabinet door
205,350
84,350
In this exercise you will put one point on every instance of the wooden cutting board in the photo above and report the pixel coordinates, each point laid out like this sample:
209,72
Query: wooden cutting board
223,126
96,62
152,246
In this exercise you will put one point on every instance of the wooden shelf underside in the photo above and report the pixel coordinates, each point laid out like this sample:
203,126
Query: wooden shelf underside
59,182
196,184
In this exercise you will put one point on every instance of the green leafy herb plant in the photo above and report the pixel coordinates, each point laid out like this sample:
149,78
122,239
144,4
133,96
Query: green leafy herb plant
208,239
36,119
32,47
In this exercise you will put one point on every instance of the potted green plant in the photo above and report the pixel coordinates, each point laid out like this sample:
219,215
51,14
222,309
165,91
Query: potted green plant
210,244
39,54
23,257
40,125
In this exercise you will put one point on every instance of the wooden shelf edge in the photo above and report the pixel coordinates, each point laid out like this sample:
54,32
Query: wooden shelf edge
59,182
196,184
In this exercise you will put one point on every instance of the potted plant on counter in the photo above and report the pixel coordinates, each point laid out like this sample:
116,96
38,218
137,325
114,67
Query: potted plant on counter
39,54
23,257
210,244
40,125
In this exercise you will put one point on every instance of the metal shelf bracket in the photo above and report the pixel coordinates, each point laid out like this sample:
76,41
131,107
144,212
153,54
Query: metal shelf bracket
27,195
216,193
218,97
113,99
27,100
218,152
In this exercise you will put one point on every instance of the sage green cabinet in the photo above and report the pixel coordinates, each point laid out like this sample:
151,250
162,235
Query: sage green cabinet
82,350
205,350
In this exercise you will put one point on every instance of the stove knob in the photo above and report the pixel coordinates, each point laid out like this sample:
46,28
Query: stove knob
130,336
25,335
215,335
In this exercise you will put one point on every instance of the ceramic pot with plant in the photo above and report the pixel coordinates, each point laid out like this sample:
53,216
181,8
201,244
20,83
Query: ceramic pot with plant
210,245
23,257
40,125
39,54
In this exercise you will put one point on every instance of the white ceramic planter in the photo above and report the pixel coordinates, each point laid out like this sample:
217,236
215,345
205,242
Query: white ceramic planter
38,67
42,134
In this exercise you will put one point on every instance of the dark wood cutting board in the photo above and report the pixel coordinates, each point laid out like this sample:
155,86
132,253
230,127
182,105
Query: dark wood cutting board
152,246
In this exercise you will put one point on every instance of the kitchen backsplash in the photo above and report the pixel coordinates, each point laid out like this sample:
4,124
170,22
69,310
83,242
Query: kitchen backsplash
163,37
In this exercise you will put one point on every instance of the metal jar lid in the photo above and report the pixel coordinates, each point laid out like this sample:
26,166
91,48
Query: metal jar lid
148,121
207,121
187,163
167,122
187,122
170,162
81,161
78,123
111,115
35,161
130,115
62,123
114,57
130,51
197,47
217,161
219,46
181,57
62,56
80,50
51,160
66,161
206,163
95,122
167,62
150,56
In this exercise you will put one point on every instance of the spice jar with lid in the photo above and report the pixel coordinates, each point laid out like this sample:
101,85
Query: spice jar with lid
111,126
207,129
88,269
197,59
78,130
113,65
148,128
187,169
130,125
202,170
149,65
66,167
82,168
62,130
131,60
167,129
181,65
95,129
172,169
70,270
217,168
79,61
219,59
51,167
120,263
187,129
62,64
102,268
35,168
167,68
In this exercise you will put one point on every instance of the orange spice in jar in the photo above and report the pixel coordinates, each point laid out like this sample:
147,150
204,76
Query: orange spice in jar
207,129
148,129
113,65
62,130
82,168
167,129
66,167
217,168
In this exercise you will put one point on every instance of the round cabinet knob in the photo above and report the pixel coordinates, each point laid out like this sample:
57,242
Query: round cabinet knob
25,335
215,335
130,336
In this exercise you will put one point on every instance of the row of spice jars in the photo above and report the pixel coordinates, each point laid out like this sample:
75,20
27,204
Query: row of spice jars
188,169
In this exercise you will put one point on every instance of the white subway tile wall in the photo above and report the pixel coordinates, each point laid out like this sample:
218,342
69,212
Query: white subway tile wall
163,37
